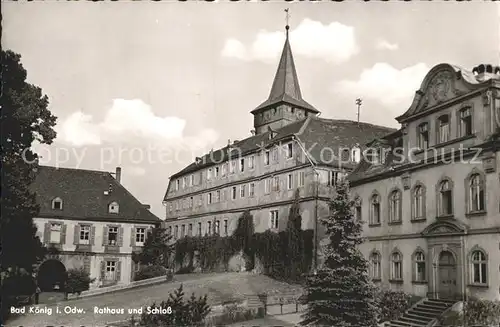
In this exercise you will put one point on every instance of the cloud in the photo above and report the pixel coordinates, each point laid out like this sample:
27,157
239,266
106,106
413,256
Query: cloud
128,120
386,45
386,84
334,43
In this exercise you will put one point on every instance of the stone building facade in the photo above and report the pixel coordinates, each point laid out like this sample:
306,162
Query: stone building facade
92,221
430,193
290,148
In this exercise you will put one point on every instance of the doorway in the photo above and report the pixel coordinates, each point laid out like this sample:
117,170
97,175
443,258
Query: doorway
447,275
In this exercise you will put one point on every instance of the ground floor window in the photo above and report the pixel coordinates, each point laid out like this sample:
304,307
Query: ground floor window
479,268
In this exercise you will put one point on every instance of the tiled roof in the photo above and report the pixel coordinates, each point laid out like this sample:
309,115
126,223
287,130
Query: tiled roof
82,194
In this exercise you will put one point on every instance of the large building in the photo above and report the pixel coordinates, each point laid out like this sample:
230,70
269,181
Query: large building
430,193
92,221
290,148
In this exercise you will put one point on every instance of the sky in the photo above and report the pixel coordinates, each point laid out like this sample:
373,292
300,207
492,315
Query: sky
148,86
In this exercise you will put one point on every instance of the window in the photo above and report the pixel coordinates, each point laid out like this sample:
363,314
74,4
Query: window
113,235
233,193
375,210
476,193
376,267
55,233
358,209
184,182
443,129
479,267
170,230
199,229
418,202
216,172
332,178
266,158
113,207
445,200
242,164
84,234
267,186
209,199
209,174
465,127
224,169
140,236
225,227
242,191
252,189
289,150
183,231
275,155
301,179
273,219
57,204
190,230
110,274
232,168
209,232
251,162
356,155
420,266
177,184
192,180
217,196
289,183
395,206
397,266
217,227
276,184
176,232
423,136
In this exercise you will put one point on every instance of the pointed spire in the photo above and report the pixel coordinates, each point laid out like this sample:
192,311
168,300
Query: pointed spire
285,86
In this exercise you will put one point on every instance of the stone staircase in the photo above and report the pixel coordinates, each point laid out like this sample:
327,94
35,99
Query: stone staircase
423,313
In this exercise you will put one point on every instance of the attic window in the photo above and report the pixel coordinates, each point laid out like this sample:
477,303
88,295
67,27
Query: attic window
356,154
113,207
57,204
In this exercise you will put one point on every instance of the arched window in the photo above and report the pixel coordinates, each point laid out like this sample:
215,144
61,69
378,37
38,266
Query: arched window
443,129
423,136
356,154
419,266
395,206
57,204
465,123
113,207
418,203
358,208
479,267
375,210
445,199
476,194
397,266
376,266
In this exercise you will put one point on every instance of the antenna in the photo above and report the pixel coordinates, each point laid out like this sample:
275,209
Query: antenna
359,102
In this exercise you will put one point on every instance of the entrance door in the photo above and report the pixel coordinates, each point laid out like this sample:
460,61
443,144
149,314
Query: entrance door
447,275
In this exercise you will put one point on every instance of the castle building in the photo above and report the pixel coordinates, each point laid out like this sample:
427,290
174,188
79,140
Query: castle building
430,192
290,148
92,221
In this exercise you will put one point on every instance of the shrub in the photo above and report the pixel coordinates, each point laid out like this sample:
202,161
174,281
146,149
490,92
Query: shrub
151,271
393,304
78,281
482,312
185,270
232,314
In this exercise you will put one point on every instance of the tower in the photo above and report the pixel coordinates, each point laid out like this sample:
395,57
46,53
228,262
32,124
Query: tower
284,104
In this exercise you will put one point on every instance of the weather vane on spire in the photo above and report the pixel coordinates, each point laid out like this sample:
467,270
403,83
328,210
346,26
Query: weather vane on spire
287,17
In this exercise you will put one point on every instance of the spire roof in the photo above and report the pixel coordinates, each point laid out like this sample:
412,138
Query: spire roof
285,86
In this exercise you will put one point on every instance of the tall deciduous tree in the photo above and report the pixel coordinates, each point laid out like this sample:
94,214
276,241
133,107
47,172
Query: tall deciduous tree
157,249
295,247
25,118
341,293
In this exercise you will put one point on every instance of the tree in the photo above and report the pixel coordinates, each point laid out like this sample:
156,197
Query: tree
340,293
78,281
25,119
295,247
243,236
156,250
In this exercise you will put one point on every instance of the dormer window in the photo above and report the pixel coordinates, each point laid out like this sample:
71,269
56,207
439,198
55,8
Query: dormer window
57,204
423,136
443,129
356,154
113,207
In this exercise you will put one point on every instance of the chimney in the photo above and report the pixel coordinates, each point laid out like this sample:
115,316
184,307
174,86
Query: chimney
146,206
253,132
118,174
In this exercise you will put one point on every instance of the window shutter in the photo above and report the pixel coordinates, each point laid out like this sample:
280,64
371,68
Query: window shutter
132,236
118,270
120,236
76,237
105,236
63,234
103,269
149,230
46,233
92,235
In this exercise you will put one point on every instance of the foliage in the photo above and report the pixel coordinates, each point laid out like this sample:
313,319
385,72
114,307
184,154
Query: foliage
340,293
476,312
392,304
24,119
78,281
232,314
243,238
156,250
295,242
151,271
191,312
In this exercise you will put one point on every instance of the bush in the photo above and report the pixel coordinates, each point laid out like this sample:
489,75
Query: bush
233,314
185,270
78,281
393,304
151,271
477,313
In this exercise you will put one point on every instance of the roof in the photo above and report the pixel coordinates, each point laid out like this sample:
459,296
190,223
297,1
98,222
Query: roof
315,134
82,194
285,88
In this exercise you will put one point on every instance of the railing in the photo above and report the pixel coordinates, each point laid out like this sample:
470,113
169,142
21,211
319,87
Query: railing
284,303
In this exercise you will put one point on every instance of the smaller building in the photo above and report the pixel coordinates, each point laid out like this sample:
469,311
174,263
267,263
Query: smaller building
93,221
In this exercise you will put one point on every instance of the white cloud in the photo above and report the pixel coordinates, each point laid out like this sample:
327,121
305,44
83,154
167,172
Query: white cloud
128,120
386,84
386,45
334,43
